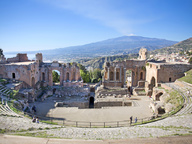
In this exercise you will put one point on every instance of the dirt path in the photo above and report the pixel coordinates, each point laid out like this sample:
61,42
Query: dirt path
8,139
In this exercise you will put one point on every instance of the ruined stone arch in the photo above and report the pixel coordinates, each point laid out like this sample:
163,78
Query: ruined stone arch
67,76
91,102
161,110
13,75
33,82
111,76
117,75
157,97
74,74
153,81
141,76
130,77
43,76
58,70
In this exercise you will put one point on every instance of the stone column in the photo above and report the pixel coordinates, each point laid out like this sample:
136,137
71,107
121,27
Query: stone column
108,74
120,75
115,74
124,77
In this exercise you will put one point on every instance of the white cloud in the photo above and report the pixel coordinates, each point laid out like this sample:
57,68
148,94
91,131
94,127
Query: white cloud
103,11
131,34
99,10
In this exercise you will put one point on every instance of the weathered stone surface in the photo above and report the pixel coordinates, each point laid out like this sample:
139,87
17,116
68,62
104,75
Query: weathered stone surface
36,73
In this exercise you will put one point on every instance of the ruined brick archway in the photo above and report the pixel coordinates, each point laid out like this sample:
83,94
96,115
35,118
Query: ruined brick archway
157,97
153,82
111,76
67,76
43,76
13,75
141,76
115,73
33,82
59,69
91,102
130,77
59,77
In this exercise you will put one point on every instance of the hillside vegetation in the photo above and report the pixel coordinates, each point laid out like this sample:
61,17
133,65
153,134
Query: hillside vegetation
187,78
99,62
181,47
178,47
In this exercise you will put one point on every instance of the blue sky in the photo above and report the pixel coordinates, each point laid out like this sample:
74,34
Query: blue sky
47,24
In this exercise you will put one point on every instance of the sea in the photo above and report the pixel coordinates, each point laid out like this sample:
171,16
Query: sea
30,56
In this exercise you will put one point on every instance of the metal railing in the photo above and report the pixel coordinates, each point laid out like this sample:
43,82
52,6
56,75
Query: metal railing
87,124
106,124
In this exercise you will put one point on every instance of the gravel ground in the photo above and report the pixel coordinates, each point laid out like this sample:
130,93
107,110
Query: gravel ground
175,125
170,126
18,123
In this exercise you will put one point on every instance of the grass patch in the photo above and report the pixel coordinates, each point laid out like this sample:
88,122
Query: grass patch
31,129
2,131
35,134
175,98
13,108
3,81
161,88
168,127
178,108
176,134
187,78
48,122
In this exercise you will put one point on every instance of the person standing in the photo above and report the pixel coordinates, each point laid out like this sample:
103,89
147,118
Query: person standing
136,120
37,120
131,120
34,119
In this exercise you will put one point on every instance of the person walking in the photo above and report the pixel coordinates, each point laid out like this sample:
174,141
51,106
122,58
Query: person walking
136,120
131,120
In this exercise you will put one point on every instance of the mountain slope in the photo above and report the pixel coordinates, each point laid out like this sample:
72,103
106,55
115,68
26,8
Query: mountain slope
99,61
180,46
116,46
127,44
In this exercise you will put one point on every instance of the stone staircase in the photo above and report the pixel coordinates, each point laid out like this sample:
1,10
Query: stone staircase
5,109
187,99
139,91
4,91
13,121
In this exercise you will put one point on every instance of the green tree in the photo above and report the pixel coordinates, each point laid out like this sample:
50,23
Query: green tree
97,73
81,67
90,76
14,93
55,76
85,76
190,60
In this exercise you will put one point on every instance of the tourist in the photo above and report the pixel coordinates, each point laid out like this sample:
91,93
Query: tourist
37,120
34,119
136,120
131,120
149,97
129,95
34,108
